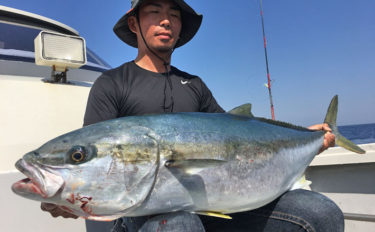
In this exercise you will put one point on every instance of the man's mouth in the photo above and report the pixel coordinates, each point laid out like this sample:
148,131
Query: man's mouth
164,35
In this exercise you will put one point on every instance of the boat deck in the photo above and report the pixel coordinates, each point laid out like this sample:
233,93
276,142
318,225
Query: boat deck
348,179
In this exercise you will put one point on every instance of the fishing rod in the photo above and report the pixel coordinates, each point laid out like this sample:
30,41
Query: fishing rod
265,52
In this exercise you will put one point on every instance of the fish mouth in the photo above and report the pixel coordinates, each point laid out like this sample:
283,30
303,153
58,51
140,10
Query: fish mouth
40,181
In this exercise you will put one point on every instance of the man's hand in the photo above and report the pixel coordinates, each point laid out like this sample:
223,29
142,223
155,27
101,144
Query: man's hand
329,137
56,211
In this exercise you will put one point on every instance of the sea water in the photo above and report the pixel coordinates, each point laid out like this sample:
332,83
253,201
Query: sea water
359,134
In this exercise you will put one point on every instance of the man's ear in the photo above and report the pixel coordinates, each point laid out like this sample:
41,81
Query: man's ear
132,21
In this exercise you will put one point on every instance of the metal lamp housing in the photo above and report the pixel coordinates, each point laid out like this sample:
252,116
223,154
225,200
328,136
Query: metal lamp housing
59,51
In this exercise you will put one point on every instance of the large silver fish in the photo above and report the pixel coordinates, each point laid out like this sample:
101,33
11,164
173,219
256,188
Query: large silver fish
197,162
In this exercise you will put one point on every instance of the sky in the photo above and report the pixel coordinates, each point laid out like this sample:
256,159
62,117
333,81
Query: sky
316,49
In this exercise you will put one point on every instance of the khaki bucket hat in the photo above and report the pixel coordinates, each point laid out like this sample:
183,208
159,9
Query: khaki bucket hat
191,22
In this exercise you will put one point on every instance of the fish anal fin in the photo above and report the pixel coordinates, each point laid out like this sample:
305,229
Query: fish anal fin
302,183
213,214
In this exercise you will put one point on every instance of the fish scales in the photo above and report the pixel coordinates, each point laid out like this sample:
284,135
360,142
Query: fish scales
246,145
196,162
247,152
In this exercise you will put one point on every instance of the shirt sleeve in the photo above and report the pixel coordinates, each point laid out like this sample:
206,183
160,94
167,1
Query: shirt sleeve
102,102
208,102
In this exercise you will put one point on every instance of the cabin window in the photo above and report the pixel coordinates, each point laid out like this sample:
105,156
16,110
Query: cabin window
18,41
17,37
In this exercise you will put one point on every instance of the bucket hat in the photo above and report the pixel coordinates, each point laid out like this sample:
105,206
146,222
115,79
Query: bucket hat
191,22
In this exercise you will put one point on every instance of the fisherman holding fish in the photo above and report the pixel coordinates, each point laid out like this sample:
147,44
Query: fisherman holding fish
149,85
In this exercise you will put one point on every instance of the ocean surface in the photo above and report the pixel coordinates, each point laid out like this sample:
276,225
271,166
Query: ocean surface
359,134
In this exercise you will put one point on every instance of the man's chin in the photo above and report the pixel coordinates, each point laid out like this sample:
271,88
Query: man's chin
164,49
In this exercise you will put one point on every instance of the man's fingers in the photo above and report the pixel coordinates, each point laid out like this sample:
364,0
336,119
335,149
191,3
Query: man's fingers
63,214
56,211
47,206
315,127
69,215
324,127
330,139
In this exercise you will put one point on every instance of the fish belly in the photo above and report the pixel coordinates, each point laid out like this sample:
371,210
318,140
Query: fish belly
250,177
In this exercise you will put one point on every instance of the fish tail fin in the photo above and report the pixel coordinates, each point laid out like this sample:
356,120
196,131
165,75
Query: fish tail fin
330,119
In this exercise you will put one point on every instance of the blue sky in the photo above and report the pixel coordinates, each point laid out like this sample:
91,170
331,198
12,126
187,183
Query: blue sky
316,49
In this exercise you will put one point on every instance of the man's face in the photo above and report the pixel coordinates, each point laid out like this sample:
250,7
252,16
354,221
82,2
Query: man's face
161,24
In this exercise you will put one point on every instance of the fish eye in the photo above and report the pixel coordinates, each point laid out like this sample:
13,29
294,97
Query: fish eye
78,154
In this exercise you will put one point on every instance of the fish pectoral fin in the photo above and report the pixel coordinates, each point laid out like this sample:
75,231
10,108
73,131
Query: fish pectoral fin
243,110
191,166
213,214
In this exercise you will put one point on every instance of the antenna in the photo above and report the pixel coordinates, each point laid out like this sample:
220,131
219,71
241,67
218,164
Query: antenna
265,52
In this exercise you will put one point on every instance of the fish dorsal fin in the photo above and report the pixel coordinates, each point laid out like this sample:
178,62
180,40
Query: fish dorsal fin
213,214
243,110
192,166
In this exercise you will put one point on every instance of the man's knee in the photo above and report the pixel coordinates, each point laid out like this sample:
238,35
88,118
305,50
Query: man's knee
316,209
179,221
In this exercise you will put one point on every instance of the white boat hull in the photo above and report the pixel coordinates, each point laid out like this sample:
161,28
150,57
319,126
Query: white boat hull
348,179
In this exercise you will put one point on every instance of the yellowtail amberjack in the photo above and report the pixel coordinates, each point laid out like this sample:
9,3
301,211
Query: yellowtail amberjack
212,164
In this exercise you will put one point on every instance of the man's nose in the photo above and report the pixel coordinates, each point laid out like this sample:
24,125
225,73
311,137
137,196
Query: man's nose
165,20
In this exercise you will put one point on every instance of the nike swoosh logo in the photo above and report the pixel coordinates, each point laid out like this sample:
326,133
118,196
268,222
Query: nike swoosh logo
185,82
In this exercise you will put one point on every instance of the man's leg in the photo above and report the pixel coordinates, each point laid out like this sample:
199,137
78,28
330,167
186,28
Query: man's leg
174,222
128,224
297,210
171,222
98,226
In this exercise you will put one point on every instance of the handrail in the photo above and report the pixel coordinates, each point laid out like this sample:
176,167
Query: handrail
359,217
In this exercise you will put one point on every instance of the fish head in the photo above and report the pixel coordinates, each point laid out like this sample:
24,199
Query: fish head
98,176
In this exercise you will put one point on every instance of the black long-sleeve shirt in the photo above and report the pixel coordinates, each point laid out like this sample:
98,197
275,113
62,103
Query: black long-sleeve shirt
132,90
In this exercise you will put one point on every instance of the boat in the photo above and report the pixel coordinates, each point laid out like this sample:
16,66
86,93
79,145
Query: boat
34,110
348,179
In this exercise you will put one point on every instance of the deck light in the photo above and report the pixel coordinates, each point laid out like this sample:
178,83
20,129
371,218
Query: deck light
60,52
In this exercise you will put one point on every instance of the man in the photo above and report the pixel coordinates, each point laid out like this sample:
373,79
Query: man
149,84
